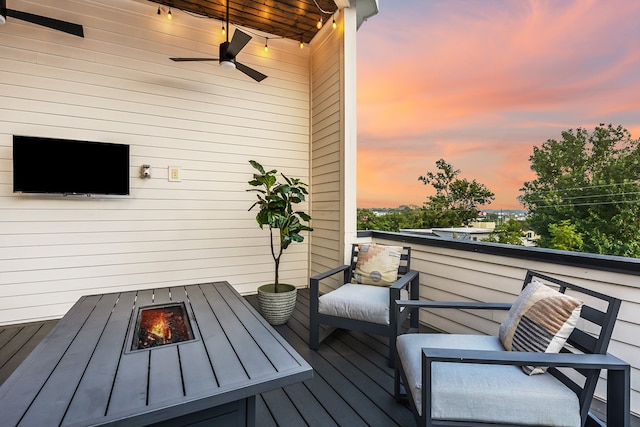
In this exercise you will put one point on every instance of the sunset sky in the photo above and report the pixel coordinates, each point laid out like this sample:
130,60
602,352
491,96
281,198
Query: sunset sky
480,82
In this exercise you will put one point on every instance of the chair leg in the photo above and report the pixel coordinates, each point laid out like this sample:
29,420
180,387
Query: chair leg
314,331
314,295
399,393
392,349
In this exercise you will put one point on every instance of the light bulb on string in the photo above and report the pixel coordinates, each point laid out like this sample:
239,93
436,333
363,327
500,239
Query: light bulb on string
301,44
334,25
224,31
159,12
266,44
319,24
169,16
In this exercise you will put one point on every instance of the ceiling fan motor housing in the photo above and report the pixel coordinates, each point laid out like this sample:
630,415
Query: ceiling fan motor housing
227,62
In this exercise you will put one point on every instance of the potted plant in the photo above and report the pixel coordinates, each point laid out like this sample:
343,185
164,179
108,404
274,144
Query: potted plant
276,203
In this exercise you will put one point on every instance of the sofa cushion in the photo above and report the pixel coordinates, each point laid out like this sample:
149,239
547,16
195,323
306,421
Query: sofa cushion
359,302
541,319
377,264
486,393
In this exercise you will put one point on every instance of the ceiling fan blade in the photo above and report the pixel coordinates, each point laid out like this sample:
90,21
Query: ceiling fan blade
193,59
255,75
238,41
55,24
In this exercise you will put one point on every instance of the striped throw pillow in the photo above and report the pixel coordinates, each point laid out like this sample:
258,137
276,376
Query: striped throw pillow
540,320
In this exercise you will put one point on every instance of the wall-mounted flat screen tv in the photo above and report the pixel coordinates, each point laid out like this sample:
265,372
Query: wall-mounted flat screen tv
51,165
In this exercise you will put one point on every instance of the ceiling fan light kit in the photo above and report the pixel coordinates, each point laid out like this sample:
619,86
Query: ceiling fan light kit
227,65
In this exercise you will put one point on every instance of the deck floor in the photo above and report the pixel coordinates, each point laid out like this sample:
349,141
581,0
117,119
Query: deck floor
351,386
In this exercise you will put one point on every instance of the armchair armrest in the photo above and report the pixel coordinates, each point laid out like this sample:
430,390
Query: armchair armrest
314,281
413,305
408,278
519,358
618,372
329,273
454,304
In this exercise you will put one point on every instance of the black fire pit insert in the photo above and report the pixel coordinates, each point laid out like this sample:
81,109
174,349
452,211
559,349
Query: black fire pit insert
161,324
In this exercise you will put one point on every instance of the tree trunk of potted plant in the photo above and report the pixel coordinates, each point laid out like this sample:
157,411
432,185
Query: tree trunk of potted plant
276,203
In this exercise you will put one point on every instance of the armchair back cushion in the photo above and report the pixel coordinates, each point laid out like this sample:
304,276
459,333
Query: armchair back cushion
541,319
377,264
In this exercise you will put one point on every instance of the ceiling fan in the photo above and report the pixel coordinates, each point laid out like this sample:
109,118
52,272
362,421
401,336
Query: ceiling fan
55,24
228,52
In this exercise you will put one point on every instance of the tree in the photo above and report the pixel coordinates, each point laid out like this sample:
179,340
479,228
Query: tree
509,232
590,180
276,203
564,236
365,219
456,200
392,220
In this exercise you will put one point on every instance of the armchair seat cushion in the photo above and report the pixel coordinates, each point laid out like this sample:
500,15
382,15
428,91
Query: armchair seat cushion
368,303
487,393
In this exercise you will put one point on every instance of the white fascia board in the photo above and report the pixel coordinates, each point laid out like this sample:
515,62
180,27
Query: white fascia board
365,9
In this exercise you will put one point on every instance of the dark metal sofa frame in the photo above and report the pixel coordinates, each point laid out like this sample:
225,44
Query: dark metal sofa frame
588,358
407,279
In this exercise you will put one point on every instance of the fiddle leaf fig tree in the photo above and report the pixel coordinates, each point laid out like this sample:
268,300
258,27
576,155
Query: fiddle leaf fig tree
276,203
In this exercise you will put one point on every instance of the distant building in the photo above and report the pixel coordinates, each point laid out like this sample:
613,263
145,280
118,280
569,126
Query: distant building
483,224
460,233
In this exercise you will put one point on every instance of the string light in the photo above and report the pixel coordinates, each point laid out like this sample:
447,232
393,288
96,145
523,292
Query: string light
319,24
325,12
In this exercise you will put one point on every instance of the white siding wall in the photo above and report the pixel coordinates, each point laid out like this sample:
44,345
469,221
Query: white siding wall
118,85
454,275
334,144
327,149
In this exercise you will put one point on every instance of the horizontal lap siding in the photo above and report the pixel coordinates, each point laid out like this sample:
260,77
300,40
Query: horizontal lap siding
327,151
118,85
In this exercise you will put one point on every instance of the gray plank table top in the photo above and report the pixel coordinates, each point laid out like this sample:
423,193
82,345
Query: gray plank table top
83,373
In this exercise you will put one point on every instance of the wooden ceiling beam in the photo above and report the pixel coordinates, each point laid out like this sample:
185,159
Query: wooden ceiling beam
292,19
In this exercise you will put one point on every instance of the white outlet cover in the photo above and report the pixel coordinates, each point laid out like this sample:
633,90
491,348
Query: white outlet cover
174,173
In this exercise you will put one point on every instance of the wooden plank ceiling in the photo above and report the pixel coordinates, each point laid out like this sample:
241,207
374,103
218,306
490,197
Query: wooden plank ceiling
292,19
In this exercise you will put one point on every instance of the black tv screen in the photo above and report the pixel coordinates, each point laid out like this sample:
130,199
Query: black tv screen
50,165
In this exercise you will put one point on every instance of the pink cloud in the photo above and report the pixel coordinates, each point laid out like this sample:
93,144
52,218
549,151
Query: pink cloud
481,83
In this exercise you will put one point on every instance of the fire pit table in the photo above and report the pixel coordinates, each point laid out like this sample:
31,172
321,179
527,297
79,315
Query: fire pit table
169,356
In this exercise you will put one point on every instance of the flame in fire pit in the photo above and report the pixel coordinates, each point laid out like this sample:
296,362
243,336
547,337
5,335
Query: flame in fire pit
161,325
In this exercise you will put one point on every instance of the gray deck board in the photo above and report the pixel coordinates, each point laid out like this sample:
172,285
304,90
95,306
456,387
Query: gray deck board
352,384
18,341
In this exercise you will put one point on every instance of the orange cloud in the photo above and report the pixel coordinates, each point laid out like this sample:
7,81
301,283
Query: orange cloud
481,83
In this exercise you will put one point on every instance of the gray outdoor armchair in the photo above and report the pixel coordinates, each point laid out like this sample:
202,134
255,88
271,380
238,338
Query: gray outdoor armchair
375,278
464,380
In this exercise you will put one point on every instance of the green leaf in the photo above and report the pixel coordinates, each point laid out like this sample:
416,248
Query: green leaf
257,166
